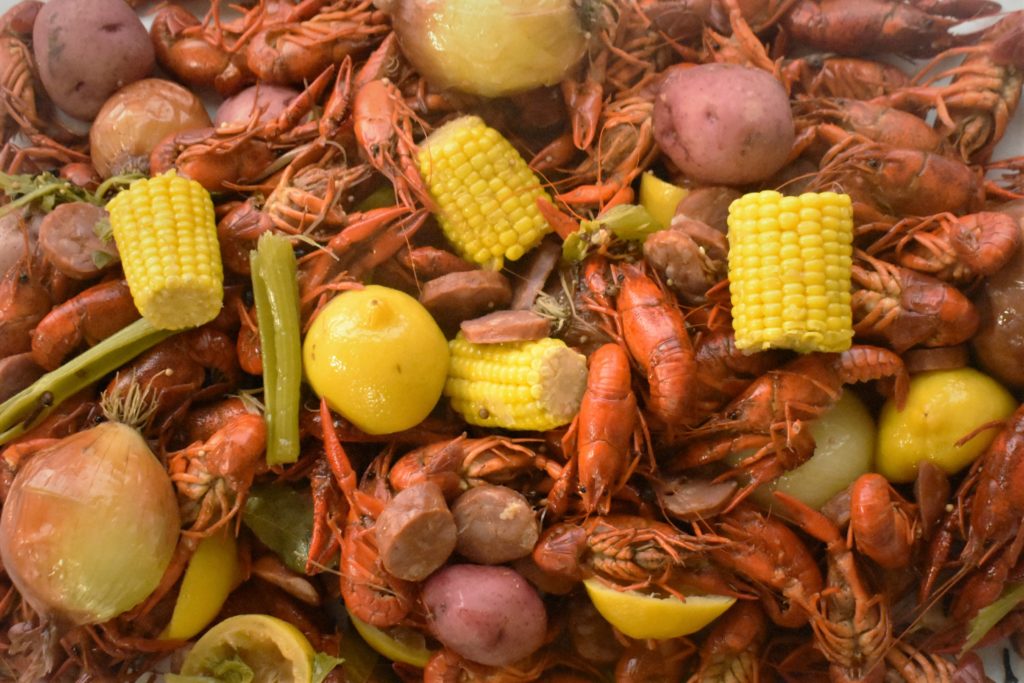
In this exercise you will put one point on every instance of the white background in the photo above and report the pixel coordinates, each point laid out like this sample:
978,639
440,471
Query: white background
1012,145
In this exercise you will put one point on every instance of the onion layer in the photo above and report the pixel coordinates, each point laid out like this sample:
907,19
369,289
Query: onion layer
89,525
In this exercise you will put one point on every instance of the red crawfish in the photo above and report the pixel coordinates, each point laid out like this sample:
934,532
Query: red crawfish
977,103
213,477
655,334
904,308
766,552
870,26
604,429
852,78
833,119
772,415
733,648
369,591
851,622
954,249
990,498
632,552
886,181
883,526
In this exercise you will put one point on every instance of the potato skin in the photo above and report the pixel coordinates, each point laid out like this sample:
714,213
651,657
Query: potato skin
490,615
87,49
724,124
495,524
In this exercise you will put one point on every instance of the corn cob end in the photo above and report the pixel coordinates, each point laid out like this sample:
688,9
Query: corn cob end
534,385
789,271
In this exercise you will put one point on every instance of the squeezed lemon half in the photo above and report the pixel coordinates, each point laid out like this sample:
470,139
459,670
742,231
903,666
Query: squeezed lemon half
274,650
638,615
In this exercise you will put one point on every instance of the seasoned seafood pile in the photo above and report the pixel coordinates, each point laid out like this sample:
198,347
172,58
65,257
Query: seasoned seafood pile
510,340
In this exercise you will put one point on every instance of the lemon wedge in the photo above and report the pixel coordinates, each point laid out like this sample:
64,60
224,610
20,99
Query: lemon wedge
211,575
269,649
399,645
660,197
646,616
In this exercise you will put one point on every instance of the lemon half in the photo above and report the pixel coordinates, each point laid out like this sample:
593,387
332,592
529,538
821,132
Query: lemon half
638,615
274,650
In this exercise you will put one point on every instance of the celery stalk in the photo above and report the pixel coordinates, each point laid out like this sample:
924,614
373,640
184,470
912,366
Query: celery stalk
276,291
25,409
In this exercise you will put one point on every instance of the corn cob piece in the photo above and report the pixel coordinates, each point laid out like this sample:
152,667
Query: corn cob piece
166,234
535,385
485,193
789,271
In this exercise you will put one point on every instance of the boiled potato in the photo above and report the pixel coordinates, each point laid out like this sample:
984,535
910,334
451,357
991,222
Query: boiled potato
87,49
724,124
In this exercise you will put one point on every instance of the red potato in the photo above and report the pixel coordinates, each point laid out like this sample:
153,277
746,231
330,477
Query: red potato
724,124
87,49
494,524
415,532
269,100
490,615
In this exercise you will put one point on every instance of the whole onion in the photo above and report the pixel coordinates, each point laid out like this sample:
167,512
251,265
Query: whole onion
489,47
137,117
89,525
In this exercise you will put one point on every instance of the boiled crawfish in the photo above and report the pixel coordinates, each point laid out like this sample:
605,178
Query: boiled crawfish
213,477
772,415
369,591
955,249
906,309
631,552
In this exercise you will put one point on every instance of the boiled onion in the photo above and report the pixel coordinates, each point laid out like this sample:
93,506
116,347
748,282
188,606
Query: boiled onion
489,47
89,525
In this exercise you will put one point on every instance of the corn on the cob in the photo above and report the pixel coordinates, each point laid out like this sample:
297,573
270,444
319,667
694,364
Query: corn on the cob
522,385
485,193
166,234
789,271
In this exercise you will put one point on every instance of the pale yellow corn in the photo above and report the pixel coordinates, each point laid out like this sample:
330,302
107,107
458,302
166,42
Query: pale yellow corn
486,195
166,235
534,385
789,271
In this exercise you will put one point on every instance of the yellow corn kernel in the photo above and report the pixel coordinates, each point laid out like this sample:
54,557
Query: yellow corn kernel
789,271
536,385
166,234
486,195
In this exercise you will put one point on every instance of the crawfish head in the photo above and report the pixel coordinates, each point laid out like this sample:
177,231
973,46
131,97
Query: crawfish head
560,550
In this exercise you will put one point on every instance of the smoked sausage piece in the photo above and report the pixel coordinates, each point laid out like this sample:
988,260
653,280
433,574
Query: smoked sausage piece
415,532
